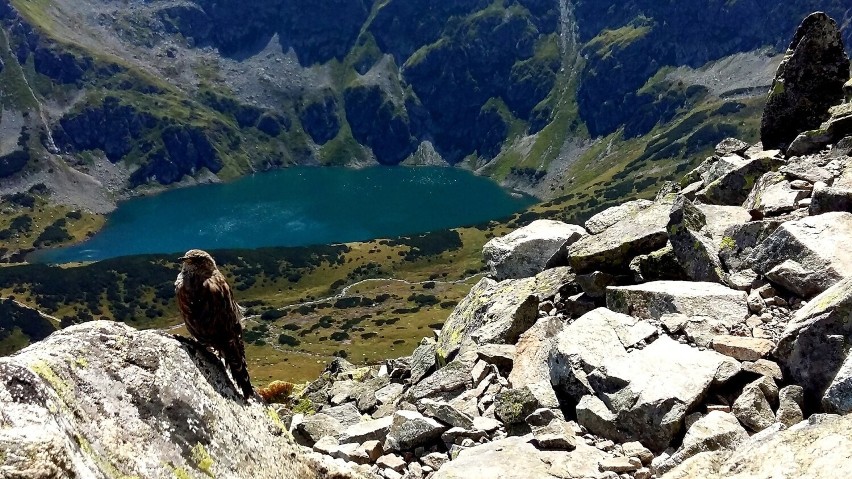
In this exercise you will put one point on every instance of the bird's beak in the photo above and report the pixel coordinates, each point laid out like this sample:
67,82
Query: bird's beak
182,259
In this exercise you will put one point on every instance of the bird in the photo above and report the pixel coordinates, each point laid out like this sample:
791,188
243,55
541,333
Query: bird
211,314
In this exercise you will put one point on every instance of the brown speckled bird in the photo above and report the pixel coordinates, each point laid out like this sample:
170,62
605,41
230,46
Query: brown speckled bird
211,314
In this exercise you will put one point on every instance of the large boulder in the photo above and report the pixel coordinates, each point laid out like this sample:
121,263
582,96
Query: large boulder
713,432
649,391
772,196
815,343
695,250
498,313
526,251
532,353
808,82
629,232
838,396
587,343
733,186
826,199
104,400
653,300
740,240
814,249
410,429
817,448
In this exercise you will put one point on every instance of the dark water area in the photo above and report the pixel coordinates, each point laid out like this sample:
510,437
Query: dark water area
296,207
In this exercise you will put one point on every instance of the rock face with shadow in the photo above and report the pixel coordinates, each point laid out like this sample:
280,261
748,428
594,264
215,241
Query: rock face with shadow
105,400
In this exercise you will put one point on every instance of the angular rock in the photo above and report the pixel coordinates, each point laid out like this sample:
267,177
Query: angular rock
637,450
790,401
373,430
742,348
814,345
807,168
389,394
816,243
772,196
752,408
532,353
101,399
446,413
327,445
314,427
619,464
740,240
764,367
649,391
512,406
410,429
719,218
610,216
732,187
695,252
423,359
372,449
435,460
452,379
731,146
500,355
769,455
347,414
826,199
588,343
713,432
498,313
526,251
639,229
838,397
551,431
510,458
392,462
652,300
808,82
660,265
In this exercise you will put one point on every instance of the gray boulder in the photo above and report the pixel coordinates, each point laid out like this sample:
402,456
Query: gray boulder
372,430
773,196
790,401
102,399
739,241
838,397
498,313
587,343
423,359
753,408
526,251
808,82
660,265
713,432
512,406
410,429
769,454
314,427
826,199
610,216
742,348
446,413
449,381
531,366
814,345
639,229
651,301
732,187
649,391
695,251
816,243
731,146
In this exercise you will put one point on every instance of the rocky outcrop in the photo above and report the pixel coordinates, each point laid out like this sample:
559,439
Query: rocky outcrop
528,250
104,400
809,81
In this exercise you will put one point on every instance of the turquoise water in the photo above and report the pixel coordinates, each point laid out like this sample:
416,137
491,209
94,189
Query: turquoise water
296,207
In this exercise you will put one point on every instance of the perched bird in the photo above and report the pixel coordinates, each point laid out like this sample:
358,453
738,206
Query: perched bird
211,314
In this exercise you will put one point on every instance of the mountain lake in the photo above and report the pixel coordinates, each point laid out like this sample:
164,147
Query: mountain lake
296,207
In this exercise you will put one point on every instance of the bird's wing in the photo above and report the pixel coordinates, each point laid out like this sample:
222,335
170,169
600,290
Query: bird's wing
220,307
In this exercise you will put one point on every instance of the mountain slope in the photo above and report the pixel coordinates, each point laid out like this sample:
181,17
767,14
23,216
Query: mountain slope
600,100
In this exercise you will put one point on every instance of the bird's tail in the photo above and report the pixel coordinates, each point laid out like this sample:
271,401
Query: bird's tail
236,359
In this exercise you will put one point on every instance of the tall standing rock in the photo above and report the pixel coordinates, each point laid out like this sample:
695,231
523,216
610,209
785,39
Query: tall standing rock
808,82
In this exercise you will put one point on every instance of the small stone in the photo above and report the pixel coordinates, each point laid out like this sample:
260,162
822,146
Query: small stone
485,424
636,449
643,473
742,348
619,464
326,445
373,449
790,399
435,460
392,462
